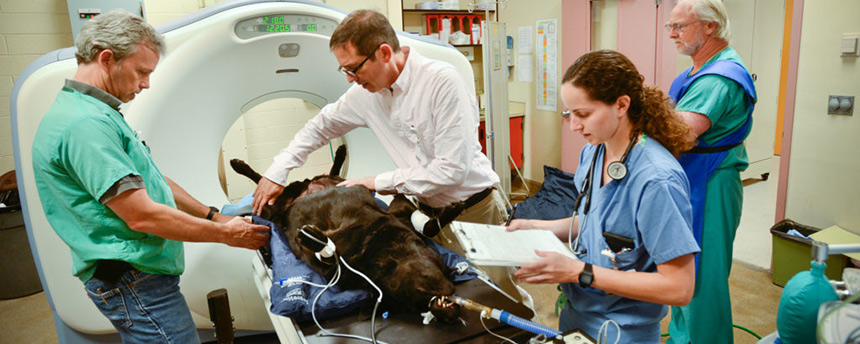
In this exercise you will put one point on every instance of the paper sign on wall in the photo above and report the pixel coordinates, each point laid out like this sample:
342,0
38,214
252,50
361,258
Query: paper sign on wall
546,54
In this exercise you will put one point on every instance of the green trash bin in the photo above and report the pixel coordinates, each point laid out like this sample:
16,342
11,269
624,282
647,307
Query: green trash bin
792,254
20,277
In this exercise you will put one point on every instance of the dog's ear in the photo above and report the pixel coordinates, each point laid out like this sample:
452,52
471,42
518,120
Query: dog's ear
294,190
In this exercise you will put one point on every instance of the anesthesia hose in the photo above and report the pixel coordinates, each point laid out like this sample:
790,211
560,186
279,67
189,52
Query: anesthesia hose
508,318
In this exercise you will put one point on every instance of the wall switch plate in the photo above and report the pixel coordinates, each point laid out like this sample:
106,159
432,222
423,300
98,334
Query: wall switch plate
850,45
840,105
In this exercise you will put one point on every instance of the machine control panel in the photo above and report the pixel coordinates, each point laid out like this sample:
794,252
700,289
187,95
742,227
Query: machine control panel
284,23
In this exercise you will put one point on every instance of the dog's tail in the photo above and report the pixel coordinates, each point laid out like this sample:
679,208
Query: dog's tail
242,168
339,159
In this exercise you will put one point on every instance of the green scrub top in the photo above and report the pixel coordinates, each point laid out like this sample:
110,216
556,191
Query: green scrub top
82,148
723,101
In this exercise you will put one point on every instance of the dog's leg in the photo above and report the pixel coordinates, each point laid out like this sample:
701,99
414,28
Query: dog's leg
242,168
339,159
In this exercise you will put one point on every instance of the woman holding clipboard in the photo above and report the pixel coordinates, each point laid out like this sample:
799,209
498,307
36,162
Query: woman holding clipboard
631,226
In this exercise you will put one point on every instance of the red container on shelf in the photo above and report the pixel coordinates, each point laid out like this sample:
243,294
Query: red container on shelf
459,22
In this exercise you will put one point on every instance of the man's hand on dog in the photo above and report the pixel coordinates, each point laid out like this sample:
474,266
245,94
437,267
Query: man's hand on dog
266,193
368,182
242,233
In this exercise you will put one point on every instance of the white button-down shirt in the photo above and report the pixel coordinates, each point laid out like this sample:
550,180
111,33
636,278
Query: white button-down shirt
428,123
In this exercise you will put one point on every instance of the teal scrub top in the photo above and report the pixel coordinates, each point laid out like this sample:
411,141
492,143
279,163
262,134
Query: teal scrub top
82,148
724,102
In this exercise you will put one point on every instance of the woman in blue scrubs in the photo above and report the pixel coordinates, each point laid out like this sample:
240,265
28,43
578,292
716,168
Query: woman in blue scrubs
632,227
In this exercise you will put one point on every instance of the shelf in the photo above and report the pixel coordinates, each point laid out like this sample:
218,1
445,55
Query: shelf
466,45
445,11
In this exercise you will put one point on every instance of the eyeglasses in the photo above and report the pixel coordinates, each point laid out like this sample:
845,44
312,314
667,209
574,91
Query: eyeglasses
677,27
355,70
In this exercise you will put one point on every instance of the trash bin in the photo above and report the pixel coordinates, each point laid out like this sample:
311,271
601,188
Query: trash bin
17,267
792,254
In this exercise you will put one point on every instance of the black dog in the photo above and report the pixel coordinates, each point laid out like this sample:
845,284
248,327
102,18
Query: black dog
378,243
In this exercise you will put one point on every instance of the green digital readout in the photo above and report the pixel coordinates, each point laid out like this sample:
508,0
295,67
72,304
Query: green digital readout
273,20
285,27
273,28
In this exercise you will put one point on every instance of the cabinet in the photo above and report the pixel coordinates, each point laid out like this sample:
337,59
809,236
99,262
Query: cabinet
515,120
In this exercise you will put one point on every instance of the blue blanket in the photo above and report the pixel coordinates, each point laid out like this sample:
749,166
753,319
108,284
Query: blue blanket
294,299
553,201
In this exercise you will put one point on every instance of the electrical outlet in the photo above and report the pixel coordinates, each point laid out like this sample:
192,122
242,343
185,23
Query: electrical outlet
840,105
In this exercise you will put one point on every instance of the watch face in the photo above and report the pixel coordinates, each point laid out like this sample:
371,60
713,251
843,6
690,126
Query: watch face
586,277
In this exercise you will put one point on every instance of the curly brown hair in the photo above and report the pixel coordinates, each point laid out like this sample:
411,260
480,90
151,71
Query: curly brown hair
606,75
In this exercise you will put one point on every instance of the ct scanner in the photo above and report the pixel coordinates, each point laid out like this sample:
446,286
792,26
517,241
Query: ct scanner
221,61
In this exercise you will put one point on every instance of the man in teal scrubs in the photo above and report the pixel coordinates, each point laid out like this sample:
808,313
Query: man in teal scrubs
105,198
716,98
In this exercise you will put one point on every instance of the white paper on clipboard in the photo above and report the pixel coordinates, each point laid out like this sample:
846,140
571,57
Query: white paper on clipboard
492,245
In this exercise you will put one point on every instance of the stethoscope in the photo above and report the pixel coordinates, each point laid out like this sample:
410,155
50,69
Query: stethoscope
616,170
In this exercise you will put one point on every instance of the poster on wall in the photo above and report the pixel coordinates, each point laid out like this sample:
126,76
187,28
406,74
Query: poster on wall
546,56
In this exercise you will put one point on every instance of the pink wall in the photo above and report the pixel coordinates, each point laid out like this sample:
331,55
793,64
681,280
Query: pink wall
637,35
576,41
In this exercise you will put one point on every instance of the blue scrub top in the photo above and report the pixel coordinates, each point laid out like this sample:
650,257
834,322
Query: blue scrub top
651,206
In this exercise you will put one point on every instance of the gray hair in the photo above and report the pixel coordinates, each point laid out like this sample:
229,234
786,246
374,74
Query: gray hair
713,11
118,31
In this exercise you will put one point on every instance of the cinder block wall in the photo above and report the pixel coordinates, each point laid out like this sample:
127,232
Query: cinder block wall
28,29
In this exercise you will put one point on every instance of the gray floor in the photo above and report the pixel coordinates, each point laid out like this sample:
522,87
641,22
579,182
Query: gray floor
754,297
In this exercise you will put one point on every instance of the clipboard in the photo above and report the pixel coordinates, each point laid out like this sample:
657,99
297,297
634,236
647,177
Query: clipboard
493,245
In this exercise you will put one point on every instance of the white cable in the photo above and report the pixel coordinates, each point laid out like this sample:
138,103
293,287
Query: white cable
379,299
323,331
519,174
507,197
605,328
483,314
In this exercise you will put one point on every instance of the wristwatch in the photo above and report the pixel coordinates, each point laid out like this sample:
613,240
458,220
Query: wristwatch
212,211
586,277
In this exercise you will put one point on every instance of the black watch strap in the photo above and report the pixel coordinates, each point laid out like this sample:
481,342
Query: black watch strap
212,211
586,277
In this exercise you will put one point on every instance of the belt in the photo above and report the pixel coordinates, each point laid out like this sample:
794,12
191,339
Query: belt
110,271
468,203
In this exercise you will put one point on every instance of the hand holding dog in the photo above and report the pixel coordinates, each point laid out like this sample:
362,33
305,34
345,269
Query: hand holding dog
368,182
266,193
240,232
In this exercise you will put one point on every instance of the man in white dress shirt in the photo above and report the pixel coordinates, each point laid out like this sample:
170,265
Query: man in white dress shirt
422,113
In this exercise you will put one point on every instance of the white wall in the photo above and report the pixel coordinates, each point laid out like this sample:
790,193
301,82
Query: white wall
823,187
542,134
604,25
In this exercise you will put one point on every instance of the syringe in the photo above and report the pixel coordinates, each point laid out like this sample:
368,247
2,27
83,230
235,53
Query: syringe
507,318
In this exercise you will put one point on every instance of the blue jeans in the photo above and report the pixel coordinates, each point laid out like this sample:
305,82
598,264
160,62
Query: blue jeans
145,308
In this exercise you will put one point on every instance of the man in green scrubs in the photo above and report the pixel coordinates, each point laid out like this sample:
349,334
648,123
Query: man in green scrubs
105,198
715,97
